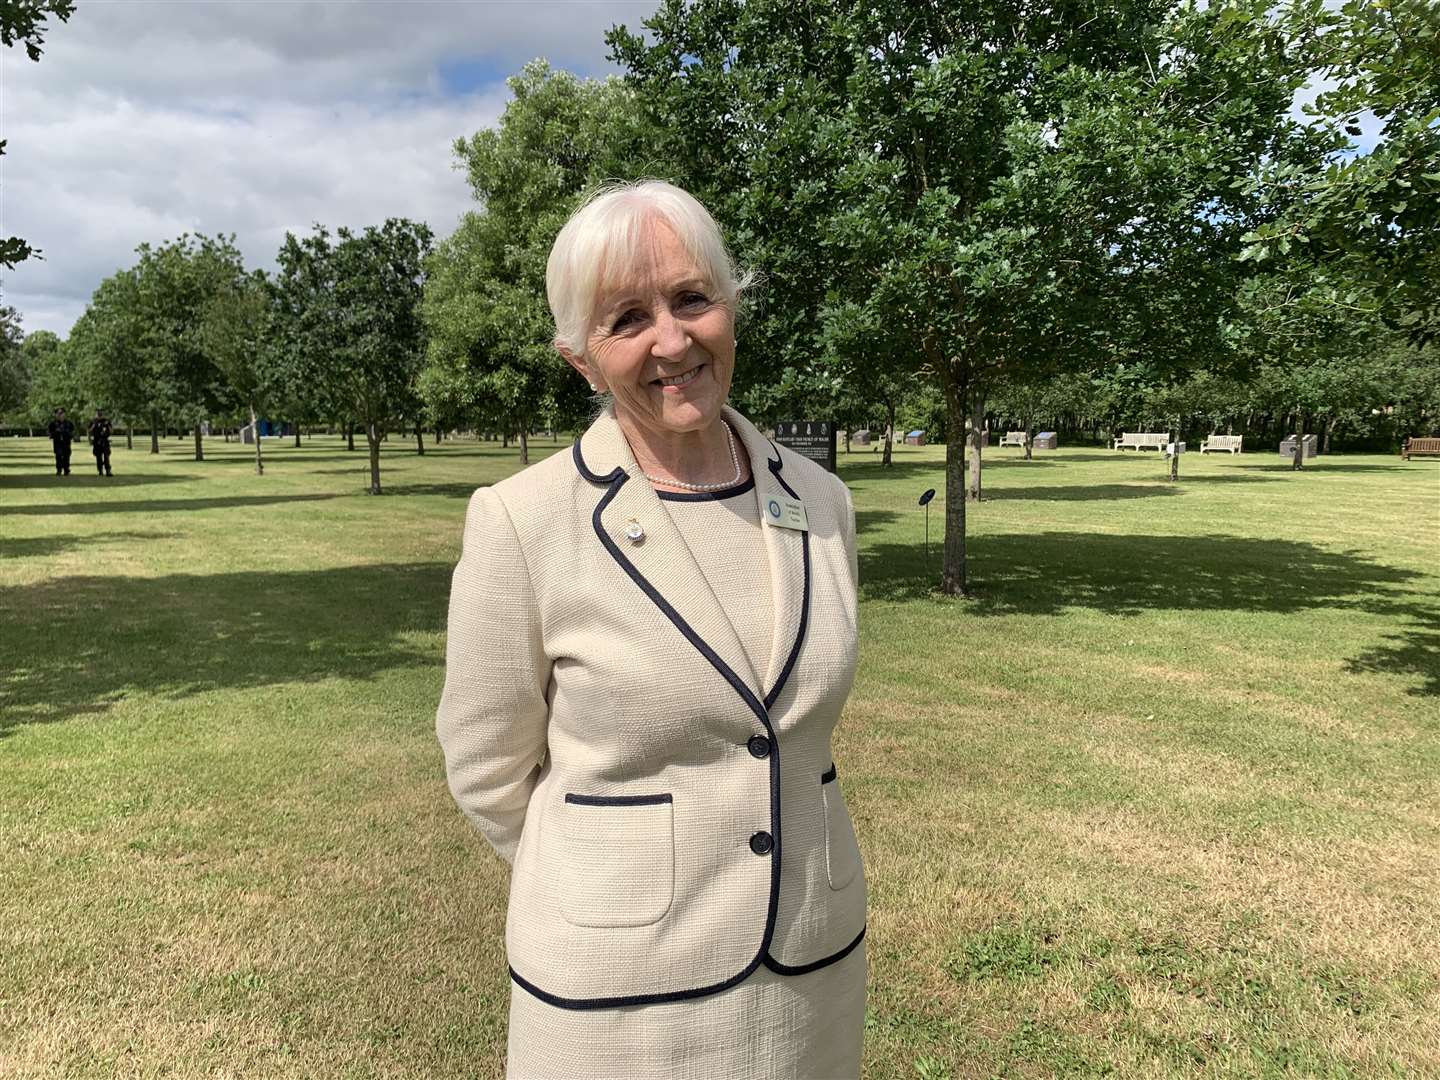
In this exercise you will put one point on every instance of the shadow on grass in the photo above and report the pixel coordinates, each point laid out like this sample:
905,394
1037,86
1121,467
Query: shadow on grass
1081,492
857,468
1320,465
158,506
1413,652
462,490
1043,573
865,520
89,478
32,547
76,645
1046,573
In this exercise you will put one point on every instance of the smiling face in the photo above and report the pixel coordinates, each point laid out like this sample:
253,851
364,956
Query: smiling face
662,341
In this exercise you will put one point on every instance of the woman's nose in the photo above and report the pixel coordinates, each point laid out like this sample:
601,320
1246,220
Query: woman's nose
671,338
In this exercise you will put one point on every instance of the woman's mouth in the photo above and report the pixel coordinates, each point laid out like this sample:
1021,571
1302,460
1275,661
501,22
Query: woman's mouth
675,382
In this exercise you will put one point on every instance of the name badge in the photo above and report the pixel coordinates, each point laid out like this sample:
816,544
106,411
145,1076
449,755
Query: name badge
786,513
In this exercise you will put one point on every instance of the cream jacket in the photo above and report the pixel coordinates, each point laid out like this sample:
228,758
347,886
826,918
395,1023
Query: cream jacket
673,816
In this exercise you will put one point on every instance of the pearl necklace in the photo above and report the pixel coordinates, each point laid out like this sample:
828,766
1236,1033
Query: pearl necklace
734,460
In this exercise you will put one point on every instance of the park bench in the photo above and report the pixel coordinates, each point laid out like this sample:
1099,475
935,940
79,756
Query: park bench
1229,443
1422,447
1142,440
1013,438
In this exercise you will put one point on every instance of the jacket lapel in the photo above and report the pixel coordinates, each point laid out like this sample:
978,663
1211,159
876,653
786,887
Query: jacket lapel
657,559
789,553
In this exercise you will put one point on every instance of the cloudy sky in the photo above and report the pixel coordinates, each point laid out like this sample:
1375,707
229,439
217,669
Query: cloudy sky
148,118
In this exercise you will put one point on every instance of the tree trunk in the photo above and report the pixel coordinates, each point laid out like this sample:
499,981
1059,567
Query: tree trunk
505,440
1174,473
154,434
419,440
372,437
226,432
129,437
199,446
297,436
1029,438
524,447
439,434
977,440
350,435
1329,430
1297,456
888,459
255,427
952,574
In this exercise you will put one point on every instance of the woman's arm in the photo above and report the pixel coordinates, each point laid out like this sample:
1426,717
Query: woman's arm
492,717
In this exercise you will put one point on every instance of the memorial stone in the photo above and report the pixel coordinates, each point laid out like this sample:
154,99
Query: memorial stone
1309,448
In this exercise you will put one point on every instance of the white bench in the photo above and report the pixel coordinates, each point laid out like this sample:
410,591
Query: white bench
1228,443
1013,438
1142,440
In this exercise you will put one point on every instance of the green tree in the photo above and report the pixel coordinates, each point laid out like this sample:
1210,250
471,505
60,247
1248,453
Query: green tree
56,380
349,311
119,372
490,352
23,21
14,363
235,332
995,191
174,283
1367,222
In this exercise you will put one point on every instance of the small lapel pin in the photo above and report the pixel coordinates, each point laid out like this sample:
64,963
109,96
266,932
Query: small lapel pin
635,531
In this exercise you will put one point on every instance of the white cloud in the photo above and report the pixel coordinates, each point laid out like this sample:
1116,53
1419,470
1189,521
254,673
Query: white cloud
147,119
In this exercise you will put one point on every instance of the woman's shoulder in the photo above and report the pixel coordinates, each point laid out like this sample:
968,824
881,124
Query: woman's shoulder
537,495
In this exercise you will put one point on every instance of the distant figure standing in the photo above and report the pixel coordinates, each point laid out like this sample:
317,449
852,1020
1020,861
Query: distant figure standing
100,443
62,434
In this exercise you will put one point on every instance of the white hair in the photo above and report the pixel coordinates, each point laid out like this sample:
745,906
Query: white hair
601,246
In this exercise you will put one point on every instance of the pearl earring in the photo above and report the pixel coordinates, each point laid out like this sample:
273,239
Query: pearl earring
594,387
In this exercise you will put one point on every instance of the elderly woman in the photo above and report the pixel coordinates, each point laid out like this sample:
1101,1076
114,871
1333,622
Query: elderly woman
651,638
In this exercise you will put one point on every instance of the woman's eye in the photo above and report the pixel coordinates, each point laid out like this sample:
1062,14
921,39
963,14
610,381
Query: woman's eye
628,318
693,300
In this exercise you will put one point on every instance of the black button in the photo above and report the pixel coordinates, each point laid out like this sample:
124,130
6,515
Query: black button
759,746
761,843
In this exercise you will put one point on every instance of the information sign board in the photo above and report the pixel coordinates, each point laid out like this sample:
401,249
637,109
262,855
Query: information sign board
814,439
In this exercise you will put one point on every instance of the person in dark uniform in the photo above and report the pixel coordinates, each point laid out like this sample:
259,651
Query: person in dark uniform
100,443
62,434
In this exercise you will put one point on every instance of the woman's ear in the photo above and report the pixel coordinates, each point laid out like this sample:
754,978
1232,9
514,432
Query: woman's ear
579,364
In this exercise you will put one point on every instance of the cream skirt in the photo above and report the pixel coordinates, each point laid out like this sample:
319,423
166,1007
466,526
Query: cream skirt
769,1027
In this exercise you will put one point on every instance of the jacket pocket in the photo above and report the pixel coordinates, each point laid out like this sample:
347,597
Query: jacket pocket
842,851
619,854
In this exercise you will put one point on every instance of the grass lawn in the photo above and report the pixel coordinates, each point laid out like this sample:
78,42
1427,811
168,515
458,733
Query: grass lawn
1163,801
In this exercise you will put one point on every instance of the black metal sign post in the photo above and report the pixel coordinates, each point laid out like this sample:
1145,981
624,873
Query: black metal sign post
814,439
925,502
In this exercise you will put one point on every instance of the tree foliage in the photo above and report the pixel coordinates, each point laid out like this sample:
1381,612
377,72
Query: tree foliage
348,310
1365,226
23,21
490,354
976,192
14,366
236,334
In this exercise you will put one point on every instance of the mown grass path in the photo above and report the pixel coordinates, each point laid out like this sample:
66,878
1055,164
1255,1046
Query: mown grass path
1163,801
